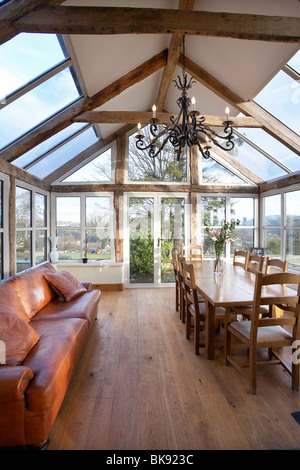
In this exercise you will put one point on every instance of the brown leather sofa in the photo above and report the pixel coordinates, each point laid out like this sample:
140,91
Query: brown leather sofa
44,332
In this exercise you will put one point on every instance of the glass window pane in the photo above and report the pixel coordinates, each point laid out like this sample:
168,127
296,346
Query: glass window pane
36,106
272,242
255,161
68,211
292,204
64,153
214,172
165,167
272,210
242,209
272,146
281,98
23,250
99,169
47,145
25,57
294,62
141,240
40,246
40,210
69,244
23,208
212,210
243,238
98,243
293,246
98,220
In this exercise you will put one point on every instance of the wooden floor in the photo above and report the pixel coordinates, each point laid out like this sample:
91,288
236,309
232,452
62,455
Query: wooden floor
139,386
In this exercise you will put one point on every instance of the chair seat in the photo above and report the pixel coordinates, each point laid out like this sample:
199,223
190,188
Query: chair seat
263,309
220,312
264,333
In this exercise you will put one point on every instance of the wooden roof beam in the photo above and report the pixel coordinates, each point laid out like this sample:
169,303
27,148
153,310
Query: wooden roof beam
14,10
119,20
133,117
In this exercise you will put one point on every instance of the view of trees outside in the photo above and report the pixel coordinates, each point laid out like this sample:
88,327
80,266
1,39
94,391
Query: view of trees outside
165,167
23,226
277,225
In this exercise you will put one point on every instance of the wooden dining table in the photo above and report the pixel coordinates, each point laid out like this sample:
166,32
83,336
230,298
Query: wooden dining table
233,288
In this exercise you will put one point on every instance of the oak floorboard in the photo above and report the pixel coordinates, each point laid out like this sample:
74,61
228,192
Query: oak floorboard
139,386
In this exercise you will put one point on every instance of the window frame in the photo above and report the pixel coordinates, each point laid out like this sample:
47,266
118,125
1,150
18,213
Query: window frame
82,226
283,227
228,196
5,229
33,228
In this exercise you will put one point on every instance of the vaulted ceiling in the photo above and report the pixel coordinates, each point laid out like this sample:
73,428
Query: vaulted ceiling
126,54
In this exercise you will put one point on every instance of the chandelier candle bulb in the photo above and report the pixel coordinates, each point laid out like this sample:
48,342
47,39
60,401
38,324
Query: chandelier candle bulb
154,111
227,113
193,103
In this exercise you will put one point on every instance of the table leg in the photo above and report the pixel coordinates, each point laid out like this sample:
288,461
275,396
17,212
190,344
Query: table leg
210,324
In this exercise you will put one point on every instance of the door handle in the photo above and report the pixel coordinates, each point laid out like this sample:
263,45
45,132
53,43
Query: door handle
159,240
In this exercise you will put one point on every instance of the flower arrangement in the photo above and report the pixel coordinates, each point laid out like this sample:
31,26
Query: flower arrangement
219,237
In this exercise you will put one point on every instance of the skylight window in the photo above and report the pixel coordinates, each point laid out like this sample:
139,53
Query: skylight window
281,96
285,157
64,153
255,160
48,145
38,81
26,57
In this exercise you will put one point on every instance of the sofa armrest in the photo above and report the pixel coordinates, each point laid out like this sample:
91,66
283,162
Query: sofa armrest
87,285
13,382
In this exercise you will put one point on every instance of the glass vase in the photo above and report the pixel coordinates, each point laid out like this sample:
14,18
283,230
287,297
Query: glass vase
218,265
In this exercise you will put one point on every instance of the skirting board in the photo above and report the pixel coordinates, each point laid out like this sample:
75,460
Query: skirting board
109,287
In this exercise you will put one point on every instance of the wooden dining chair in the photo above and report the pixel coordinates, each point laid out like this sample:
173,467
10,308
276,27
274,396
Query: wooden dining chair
181,274
177,280
270,333
275,265
255,263
195,307
192,252
240,258
194,310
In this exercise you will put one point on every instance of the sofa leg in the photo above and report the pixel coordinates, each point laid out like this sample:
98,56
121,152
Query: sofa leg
42,446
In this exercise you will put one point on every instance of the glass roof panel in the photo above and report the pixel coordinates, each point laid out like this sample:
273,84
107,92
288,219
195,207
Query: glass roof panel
255,161
64,153
25,57
98,169
281,97
272,146
294,62
48,144
36,106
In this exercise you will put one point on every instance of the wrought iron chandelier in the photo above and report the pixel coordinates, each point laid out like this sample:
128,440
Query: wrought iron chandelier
188,128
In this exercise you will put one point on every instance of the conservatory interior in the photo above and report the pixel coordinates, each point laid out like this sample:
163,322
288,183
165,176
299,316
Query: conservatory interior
78,81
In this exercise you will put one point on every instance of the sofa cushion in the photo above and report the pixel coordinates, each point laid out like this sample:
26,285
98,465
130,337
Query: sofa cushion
65,285
18,338
11,301
54,360
85,306
33,289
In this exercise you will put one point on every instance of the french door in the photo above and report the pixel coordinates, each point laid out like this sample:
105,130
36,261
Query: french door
156,224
